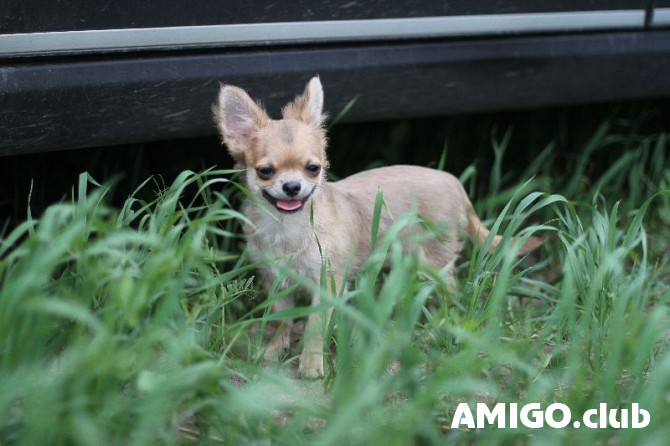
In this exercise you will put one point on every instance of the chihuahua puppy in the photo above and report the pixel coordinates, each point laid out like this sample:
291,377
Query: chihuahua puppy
313,222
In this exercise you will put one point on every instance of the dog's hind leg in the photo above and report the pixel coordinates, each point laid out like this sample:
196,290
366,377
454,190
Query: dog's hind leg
441,255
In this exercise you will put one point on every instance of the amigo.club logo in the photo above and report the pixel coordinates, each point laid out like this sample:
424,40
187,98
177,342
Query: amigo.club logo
557,415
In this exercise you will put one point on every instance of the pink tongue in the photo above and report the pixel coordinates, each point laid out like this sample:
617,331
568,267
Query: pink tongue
290,205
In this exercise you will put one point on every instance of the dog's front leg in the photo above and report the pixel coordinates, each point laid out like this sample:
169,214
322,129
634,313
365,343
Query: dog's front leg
311,359
281,339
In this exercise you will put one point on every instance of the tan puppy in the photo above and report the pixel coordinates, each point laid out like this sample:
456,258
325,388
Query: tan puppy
285,162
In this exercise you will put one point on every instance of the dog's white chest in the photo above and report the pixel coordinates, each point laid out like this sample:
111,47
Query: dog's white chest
290,238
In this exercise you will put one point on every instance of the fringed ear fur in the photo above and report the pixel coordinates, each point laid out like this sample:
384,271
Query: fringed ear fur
238,117
307,107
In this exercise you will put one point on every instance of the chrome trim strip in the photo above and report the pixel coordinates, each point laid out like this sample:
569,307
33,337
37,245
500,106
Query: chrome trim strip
661,17
181,37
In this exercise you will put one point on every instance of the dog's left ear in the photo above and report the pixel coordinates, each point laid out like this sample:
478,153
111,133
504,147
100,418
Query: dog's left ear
308,107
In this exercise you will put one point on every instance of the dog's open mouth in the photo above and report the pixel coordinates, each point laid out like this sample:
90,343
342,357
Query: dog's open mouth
287,205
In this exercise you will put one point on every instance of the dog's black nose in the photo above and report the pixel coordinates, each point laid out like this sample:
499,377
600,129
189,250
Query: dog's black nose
291,188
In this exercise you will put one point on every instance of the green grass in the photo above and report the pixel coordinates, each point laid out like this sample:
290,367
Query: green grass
139,325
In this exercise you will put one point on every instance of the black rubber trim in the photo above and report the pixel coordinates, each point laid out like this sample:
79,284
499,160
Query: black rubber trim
85,102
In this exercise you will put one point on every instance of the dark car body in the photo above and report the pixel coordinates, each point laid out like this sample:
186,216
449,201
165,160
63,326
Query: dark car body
80,74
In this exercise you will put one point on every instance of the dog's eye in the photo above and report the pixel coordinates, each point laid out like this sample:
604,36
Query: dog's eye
313,169
265,172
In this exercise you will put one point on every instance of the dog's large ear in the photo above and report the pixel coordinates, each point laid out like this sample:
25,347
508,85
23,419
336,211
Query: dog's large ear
237,117
308,107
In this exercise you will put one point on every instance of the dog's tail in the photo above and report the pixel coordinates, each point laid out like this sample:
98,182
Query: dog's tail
478,234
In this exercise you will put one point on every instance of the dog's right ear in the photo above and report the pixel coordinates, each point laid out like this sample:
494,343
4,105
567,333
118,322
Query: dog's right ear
238,117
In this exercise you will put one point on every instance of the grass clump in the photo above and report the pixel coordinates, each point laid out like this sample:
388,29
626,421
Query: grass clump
113,323
141,325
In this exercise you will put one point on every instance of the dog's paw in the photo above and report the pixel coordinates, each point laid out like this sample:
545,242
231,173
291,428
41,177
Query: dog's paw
310,365
276,349
271,354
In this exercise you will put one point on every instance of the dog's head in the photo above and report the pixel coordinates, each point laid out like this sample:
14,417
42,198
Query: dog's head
284,159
